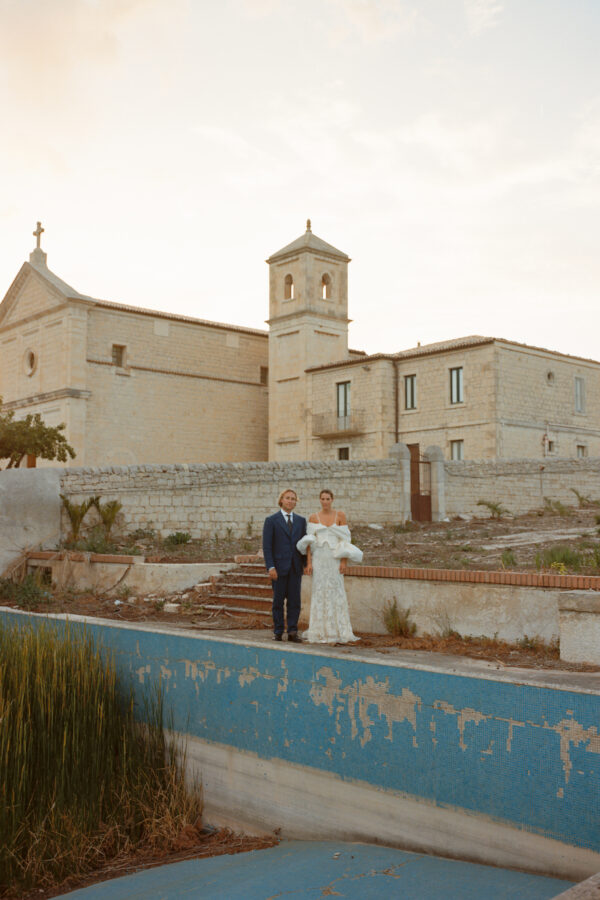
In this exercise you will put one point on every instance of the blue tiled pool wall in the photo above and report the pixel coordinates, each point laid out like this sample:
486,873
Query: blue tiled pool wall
523,755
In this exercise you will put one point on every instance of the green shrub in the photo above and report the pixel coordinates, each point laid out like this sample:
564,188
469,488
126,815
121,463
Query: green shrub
397,620
582,500
560,556
555,506
26,593
177,538
81,778
496,509
508,558
96,542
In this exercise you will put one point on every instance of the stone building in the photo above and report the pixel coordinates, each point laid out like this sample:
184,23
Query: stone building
132,385
474,397
138,386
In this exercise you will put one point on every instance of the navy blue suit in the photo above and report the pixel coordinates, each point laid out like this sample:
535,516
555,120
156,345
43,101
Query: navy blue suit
279,548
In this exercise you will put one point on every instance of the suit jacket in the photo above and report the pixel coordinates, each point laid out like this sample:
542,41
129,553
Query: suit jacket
279,545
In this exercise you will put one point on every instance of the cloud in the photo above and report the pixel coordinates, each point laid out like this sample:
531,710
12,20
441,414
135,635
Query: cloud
41,42
481,15
257,9
377,20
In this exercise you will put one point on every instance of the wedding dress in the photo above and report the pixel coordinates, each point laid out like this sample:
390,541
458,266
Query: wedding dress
329,617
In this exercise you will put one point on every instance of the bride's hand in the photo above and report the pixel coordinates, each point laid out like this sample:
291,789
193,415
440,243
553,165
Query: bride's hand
343,565
308,569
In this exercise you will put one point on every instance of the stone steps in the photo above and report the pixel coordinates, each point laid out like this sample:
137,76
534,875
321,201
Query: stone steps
245,590
237,610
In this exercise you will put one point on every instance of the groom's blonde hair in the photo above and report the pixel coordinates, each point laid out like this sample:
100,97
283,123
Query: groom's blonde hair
285,491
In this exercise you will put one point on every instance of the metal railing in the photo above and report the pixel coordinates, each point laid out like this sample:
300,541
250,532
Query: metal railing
329,424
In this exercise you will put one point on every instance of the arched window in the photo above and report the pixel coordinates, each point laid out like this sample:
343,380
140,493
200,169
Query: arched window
289,288
326,286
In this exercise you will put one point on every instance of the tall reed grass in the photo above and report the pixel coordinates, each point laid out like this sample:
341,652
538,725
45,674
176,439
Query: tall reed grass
82,780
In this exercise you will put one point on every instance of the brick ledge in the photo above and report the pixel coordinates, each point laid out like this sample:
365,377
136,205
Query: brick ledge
468,576
461,576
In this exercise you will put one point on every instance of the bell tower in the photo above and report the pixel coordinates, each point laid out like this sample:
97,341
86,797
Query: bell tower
308,326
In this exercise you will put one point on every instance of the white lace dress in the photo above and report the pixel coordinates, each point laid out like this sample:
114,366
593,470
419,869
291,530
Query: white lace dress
329,616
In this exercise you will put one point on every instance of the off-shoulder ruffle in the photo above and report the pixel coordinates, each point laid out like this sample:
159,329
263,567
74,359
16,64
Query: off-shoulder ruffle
305,542
337,536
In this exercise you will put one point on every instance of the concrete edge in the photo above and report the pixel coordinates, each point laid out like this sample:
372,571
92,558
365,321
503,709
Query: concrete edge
461,667
586,890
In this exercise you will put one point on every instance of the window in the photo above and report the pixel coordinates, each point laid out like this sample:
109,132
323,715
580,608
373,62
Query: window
551,446
326,287
264,375
579,394
118,355
456,385
343,452
410,392
30,363
457,449
288,293
582,451
343,399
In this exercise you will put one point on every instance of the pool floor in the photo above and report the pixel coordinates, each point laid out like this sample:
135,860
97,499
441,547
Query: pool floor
307,870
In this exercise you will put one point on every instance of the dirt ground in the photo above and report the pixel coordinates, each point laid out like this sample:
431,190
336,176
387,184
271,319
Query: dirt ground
507,543
479,542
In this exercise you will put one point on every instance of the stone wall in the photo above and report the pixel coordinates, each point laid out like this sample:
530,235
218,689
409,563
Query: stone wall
520,485
208,498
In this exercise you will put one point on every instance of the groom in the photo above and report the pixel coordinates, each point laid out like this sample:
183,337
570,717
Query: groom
285,563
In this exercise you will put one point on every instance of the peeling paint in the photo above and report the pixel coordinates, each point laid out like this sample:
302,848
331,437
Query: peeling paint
247,676
463,716
364,694
166,673
196,670
571,732
142,672
282,684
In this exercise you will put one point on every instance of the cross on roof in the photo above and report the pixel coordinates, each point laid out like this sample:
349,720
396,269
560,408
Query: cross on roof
38,233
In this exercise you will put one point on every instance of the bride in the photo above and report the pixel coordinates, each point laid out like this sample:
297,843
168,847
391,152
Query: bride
327,547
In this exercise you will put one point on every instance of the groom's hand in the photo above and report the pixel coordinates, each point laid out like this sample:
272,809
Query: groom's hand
273,574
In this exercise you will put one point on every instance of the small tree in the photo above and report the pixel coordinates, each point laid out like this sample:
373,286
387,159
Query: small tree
31,437
108,512
76,513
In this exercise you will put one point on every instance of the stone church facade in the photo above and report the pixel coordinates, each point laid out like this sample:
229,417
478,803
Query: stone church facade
136,386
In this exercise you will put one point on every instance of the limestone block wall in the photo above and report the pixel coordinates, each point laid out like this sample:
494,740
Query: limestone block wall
519,484
47,338
436,420
372,398
177,345
187,391
207,498
165,417
536,396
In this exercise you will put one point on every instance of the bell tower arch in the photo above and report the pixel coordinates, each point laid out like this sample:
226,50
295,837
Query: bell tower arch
308,326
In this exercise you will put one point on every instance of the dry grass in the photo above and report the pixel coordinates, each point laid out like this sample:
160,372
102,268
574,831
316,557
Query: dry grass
82,780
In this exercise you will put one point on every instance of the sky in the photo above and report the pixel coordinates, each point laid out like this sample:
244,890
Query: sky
450,147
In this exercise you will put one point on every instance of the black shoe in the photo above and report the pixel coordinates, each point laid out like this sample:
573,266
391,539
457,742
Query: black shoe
277,637
295,638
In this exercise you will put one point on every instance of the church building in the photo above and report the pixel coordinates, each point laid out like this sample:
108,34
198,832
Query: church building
137,386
